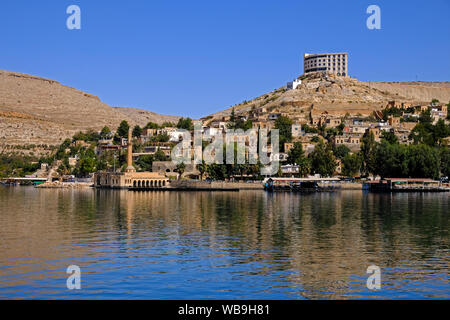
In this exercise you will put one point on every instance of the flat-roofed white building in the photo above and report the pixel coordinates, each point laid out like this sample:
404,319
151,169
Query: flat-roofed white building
336,63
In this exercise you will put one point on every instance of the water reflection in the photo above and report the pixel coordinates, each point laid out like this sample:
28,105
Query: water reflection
185,245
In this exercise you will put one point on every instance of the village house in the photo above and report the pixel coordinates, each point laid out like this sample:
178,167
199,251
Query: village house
358,129
262,125
333,122
353,142
438,112
394,121
376,133
292,85
210,132
325,119
290,170
273,116
288,146
296,130
402,135
105,149
219,125
73,161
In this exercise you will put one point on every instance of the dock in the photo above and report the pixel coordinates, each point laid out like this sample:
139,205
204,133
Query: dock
405,185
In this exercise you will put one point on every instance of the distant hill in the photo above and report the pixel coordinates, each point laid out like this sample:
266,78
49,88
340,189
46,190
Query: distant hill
35,110
339,96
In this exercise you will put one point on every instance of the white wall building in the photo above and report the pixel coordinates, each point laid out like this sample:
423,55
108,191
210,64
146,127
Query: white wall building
296,130
294,84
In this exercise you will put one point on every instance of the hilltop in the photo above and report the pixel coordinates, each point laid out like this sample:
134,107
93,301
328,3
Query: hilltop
35,110
339,96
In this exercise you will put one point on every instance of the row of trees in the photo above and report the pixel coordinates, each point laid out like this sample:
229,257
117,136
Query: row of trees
386,159
17,165
391,159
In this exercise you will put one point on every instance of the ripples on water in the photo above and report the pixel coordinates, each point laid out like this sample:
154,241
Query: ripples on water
222,245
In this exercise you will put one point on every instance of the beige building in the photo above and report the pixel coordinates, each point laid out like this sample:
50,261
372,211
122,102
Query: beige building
336,63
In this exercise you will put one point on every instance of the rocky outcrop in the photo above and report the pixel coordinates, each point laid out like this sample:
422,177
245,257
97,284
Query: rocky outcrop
341,95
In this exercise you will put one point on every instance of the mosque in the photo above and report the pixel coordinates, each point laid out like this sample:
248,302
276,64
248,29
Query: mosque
130,179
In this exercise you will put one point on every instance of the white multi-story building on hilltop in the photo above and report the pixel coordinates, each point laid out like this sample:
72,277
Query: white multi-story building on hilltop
336,63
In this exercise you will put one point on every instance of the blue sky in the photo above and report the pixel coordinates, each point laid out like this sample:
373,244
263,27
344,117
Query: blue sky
193,58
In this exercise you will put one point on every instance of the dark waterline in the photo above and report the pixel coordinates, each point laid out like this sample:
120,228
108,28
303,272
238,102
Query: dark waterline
222,245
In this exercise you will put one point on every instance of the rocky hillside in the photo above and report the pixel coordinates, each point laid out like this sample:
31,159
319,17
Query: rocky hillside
420,91
35,110
340,96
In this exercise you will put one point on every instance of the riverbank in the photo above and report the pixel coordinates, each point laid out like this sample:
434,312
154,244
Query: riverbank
65,185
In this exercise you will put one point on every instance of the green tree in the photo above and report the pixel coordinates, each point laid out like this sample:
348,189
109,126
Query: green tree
164,137
137,131
217,171
448,111
341,151
167,124
106,132
441,131
425,116
304,166
296,153
202,168
323,161
423,134
145,162
87,163
181,167
284,125
151,125
368,151
185,123
391,160
297,156
122,130
351,164
445,161
389,137
423,161
160,156
233,115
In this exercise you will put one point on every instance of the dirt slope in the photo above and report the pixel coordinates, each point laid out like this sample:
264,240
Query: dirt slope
35,110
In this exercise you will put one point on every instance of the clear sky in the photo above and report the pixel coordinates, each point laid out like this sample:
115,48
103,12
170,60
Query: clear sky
193,58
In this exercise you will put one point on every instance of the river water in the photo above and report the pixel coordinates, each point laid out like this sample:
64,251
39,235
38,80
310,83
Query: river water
222,245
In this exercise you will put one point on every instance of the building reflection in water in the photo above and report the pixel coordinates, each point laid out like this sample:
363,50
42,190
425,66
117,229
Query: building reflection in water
310,246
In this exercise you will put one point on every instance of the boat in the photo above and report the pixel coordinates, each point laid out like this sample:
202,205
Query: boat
405,185
305,185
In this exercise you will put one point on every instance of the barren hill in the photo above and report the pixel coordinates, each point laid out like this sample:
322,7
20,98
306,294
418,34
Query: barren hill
35,110
339,96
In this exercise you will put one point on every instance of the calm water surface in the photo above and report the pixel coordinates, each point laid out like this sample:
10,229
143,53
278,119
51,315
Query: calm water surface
222,245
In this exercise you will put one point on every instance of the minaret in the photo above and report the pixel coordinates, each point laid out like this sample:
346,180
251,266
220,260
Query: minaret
130,167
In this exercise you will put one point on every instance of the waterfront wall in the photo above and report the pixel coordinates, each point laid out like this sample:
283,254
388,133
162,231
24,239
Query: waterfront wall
215,185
